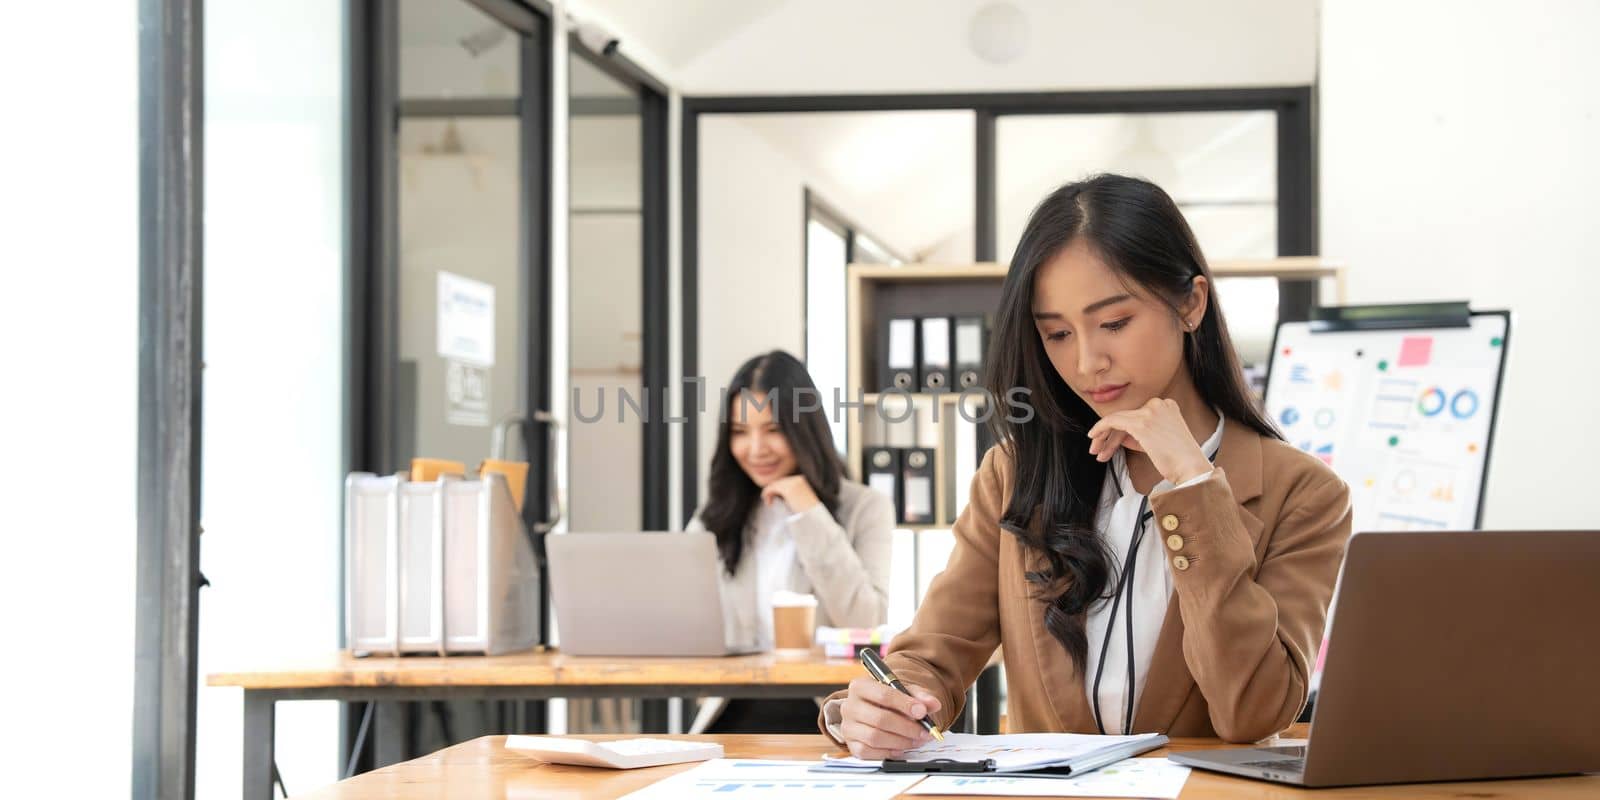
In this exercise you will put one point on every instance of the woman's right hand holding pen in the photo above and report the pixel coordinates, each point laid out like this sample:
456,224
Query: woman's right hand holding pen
878,721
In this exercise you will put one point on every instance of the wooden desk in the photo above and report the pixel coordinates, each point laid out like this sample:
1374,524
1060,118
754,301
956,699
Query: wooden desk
483,768
521,676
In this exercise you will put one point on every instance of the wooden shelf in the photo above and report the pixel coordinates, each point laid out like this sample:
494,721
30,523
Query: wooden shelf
909,289
1288,267
929,272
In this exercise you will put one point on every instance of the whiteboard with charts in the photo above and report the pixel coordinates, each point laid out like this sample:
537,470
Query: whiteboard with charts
1405,415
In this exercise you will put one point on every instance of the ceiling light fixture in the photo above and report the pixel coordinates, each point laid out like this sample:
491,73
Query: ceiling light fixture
998,33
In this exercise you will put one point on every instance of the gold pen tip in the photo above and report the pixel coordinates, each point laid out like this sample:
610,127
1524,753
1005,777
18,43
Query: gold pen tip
937,734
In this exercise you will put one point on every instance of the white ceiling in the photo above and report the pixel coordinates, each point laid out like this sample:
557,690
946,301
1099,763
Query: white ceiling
864,46
826,46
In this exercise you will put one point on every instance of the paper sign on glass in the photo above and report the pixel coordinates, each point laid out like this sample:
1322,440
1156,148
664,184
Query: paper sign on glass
466,320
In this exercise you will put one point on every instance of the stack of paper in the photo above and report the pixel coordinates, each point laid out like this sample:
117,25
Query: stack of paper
1153,778
1020,752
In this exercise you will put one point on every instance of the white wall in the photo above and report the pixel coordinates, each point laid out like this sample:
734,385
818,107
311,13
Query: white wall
752,293
274,326
69,283
1459,161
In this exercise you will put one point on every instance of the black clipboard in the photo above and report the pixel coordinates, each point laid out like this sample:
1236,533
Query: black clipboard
938,766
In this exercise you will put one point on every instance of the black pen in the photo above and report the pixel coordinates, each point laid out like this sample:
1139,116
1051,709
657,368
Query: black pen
881,673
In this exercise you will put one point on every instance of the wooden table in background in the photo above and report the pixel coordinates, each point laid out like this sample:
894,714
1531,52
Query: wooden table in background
520,676
483,769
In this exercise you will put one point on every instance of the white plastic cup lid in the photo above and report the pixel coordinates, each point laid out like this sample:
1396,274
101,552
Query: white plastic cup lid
788,599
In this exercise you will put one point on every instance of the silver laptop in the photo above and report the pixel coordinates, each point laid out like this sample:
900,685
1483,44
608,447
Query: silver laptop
1452,656
638,594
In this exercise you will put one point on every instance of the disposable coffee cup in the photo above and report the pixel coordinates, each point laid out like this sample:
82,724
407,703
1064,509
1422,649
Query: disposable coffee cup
794,620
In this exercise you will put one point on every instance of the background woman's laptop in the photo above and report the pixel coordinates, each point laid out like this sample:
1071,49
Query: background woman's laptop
1452,656
638,594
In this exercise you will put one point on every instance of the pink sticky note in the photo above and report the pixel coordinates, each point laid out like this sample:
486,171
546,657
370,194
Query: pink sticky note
1415,350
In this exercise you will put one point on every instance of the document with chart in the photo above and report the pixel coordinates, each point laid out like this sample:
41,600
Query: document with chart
731,779
1148,778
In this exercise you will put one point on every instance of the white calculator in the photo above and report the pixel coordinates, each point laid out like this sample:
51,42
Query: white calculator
619,754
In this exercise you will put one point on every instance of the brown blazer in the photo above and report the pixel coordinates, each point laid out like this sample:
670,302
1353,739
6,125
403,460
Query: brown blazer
1263,537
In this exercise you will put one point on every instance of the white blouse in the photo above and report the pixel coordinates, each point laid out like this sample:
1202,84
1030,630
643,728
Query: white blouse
1143,606
772,552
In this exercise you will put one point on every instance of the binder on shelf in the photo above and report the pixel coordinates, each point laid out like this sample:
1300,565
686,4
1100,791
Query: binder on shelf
934,370
916,485
969,341
882,474
900,353
986,441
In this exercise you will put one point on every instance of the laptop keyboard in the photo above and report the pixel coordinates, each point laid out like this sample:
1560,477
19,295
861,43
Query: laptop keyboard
1293,759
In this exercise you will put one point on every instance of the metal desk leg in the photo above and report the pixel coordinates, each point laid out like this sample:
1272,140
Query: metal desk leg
258,744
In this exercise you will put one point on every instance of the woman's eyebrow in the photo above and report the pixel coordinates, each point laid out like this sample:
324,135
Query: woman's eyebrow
1088,309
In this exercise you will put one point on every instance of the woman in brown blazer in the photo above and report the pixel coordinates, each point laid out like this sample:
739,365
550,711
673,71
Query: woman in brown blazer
1148,550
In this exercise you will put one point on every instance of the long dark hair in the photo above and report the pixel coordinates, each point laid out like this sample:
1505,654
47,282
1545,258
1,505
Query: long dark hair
797,407
1141,234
